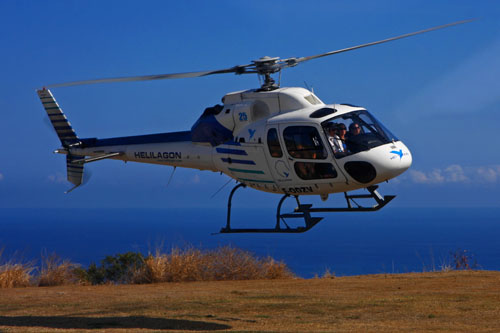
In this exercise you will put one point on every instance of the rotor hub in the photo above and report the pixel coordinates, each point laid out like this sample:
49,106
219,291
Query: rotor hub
266,66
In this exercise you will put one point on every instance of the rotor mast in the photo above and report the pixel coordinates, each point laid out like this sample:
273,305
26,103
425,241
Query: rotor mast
266,66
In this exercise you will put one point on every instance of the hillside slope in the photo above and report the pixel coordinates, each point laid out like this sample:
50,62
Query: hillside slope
458,301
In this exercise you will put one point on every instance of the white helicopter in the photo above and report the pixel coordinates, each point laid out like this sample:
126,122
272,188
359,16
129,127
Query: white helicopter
278,140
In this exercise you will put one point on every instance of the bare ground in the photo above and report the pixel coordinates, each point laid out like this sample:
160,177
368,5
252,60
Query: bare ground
458,301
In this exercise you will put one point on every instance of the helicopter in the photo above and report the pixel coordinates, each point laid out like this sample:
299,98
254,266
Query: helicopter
281,140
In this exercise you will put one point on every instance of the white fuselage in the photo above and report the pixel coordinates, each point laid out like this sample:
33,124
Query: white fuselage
250,117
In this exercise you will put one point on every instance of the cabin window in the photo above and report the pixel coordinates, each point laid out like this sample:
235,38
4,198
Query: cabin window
311,170
304,142
274,143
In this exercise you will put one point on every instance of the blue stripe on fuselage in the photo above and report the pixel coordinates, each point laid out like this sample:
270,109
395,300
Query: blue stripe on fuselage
142,139
231,160
231,151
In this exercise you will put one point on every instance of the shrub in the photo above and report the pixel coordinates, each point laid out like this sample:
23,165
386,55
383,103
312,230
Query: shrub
180,265
120,268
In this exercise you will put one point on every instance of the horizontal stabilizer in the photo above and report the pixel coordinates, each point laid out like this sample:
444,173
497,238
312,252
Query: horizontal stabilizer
96,158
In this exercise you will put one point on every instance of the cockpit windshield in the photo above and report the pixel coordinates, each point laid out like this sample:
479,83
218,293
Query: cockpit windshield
355,131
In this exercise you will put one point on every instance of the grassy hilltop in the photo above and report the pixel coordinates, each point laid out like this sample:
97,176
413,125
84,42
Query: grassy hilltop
229,289
455,301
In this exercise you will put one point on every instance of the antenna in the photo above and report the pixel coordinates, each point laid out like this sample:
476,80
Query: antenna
171,176
220,189
311,89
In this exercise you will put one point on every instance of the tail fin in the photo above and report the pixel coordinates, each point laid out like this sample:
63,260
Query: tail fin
66,134
63,128
74,171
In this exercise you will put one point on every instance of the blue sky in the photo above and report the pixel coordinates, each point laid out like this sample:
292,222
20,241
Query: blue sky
438,92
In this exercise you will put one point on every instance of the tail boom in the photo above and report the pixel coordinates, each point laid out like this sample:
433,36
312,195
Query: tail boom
173,149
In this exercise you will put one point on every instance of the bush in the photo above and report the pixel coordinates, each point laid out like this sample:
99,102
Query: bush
180,265
120,268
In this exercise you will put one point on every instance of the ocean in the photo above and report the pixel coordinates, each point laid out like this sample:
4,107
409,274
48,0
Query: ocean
392,240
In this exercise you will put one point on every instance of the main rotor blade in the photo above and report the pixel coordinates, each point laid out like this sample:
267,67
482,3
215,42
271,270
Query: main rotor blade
295,61
263,66
235,69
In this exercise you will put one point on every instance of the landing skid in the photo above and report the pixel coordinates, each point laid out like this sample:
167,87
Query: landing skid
304,211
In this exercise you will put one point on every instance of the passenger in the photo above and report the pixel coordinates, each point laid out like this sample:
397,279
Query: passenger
341,132
305,170
300,151
332,134
335,139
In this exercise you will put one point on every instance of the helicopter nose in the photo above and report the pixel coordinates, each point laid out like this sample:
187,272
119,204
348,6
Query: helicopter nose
400,160
380,164
390,161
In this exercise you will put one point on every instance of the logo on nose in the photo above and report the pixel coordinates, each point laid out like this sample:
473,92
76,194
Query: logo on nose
398,152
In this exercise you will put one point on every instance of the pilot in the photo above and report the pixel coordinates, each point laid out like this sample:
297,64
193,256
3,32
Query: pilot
353,139
354,129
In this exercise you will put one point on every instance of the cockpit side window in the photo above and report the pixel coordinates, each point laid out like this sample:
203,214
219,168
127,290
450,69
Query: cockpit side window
355,131
304,142
273,143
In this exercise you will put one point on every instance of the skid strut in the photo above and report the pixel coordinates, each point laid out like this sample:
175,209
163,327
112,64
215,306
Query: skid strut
304,211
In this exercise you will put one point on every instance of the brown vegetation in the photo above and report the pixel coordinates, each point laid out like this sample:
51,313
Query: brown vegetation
15,274
180,265
223,263
57,272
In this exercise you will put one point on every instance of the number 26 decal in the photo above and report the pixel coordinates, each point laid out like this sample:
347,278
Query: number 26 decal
243,116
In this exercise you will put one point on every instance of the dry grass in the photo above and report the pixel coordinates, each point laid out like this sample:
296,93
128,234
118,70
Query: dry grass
457,301
223,263
179,265
15,274
53,272
57,272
